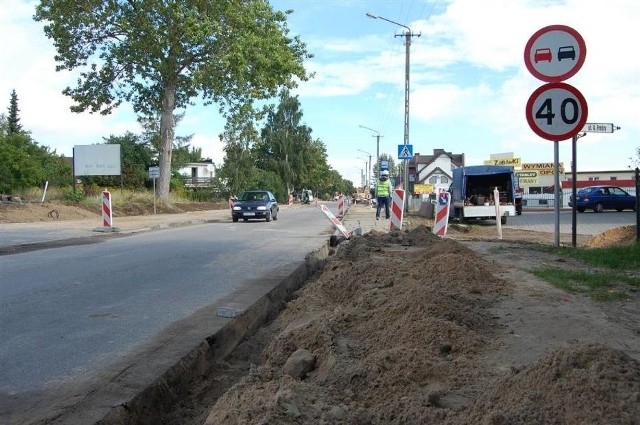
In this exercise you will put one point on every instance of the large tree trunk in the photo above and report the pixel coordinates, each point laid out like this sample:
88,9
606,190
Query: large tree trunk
166,143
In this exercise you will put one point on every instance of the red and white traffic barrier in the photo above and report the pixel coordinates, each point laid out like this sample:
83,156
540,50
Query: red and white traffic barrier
337,223
442,214
107,214
397,209
291,199
341,205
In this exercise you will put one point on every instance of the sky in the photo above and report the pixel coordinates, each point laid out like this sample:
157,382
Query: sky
468,82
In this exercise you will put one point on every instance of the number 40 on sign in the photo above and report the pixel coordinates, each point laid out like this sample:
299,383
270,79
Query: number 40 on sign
556,111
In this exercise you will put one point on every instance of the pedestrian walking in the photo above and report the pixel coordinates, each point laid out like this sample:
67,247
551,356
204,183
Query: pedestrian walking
383,188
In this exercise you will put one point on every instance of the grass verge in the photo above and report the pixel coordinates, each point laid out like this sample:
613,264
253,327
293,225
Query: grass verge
616,273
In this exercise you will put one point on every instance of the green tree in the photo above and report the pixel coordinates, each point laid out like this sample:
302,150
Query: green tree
13,120
286,146
160,54
239,171
23,164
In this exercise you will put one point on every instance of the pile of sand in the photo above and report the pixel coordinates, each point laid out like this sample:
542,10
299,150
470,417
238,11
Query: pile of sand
393,331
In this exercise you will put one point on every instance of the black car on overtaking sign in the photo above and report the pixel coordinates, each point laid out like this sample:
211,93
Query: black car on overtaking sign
604,197
255,204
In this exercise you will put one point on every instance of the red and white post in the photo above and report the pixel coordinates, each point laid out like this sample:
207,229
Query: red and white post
442,214
397,209
341,205
290,200
107,213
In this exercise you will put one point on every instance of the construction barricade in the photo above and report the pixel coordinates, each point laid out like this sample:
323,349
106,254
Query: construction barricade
342,206
397,209
442,214
107,214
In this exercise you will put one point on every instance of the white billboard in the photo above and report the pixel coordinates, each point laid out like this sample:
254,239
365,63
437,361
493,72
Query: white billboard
96,160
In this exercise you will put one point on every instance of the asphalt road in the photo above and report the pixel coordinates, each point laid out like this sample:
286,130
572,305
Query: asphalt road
588,223
69,312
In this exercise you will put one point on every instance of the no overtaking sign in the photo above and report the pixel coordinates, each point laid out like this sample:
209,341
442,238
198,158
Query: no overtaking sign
555,53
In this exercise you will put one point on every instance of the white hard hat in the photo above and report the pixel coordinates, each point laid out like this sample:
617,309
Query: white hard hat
385,172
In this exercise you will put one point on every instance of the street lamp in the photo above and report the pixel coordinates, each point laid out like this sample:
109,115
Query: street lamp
407,36
377,136
368,168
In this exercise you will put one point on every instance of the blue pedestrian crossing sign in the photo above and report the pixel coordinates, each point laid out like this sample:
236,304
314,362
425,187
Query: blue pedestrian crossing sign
405,151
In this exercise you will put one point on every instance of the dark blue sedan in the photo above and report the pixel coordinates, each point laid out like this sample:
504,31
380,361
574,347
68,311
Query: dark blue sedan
255,204
600,198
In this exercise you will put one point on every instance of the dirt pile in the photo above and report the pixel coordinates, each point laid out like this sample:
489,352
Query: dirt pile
620,236
395,330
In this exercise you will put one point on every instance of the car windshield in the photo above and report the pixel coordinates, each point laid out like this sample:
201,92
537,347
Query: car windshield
254,196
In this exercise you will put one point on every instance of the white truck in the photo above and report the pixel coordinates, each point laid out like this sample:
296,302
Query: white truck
472,192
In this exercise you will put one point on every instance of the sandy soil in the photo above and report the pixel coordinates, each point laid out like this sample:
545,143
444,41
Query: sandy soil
406,328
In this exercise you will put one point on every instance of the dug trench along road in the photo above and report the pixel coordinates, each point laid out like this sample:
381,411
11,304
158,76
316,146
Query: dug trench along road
68,314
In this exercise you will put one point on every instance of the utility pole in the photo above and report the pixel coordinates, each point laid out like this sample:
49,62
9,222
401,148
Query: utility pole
407,42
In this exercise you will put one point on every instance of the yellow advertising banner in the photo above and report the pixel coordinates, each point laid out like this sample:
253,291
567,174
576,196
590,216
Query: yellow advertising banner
515,162
422,189
546,166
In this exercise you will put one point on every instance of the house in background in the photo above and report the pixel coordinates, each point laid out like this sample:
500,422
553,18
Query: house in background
198,174
436,169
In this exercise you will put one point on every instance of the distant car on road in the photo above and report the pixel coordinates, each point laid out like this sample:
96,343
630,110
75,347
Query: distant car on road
566,52
255,204
600,198
543,54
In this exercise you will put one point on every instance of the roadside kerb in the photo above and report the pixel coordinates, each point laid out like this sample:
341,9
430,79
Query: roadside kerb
137,396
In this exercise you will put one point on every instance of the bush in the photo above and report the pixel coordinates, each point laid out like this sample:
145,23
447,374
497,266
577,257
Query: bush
75,196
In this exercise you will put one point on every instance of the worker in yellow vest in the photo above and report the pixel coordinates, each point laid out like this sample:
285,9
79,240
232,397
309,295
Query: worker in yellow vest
383,189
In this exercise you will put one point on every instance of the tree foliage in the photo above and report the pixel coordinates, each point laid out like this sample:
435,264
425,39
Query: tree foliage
25,164
281,157
13,120
239,171
159,55
285,146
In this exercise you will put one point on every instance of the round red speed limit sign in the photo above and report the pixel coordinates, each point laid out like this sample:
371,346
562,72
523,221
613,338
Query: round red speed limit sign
556,111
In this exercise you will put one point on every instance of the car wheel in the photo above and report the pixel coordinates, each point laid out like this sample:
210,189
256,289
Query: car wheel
580,209
619,209
275,217
235,219
503,219
598,207
268,216
245,219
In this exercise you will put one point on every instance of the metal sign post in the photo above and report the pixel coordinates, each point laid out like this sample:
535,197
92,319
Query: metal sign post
556,111
154,173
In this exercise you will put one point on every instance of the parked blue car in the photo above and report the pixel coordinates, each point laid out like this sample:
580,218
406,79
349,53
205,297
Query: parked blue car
600,198
255,204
